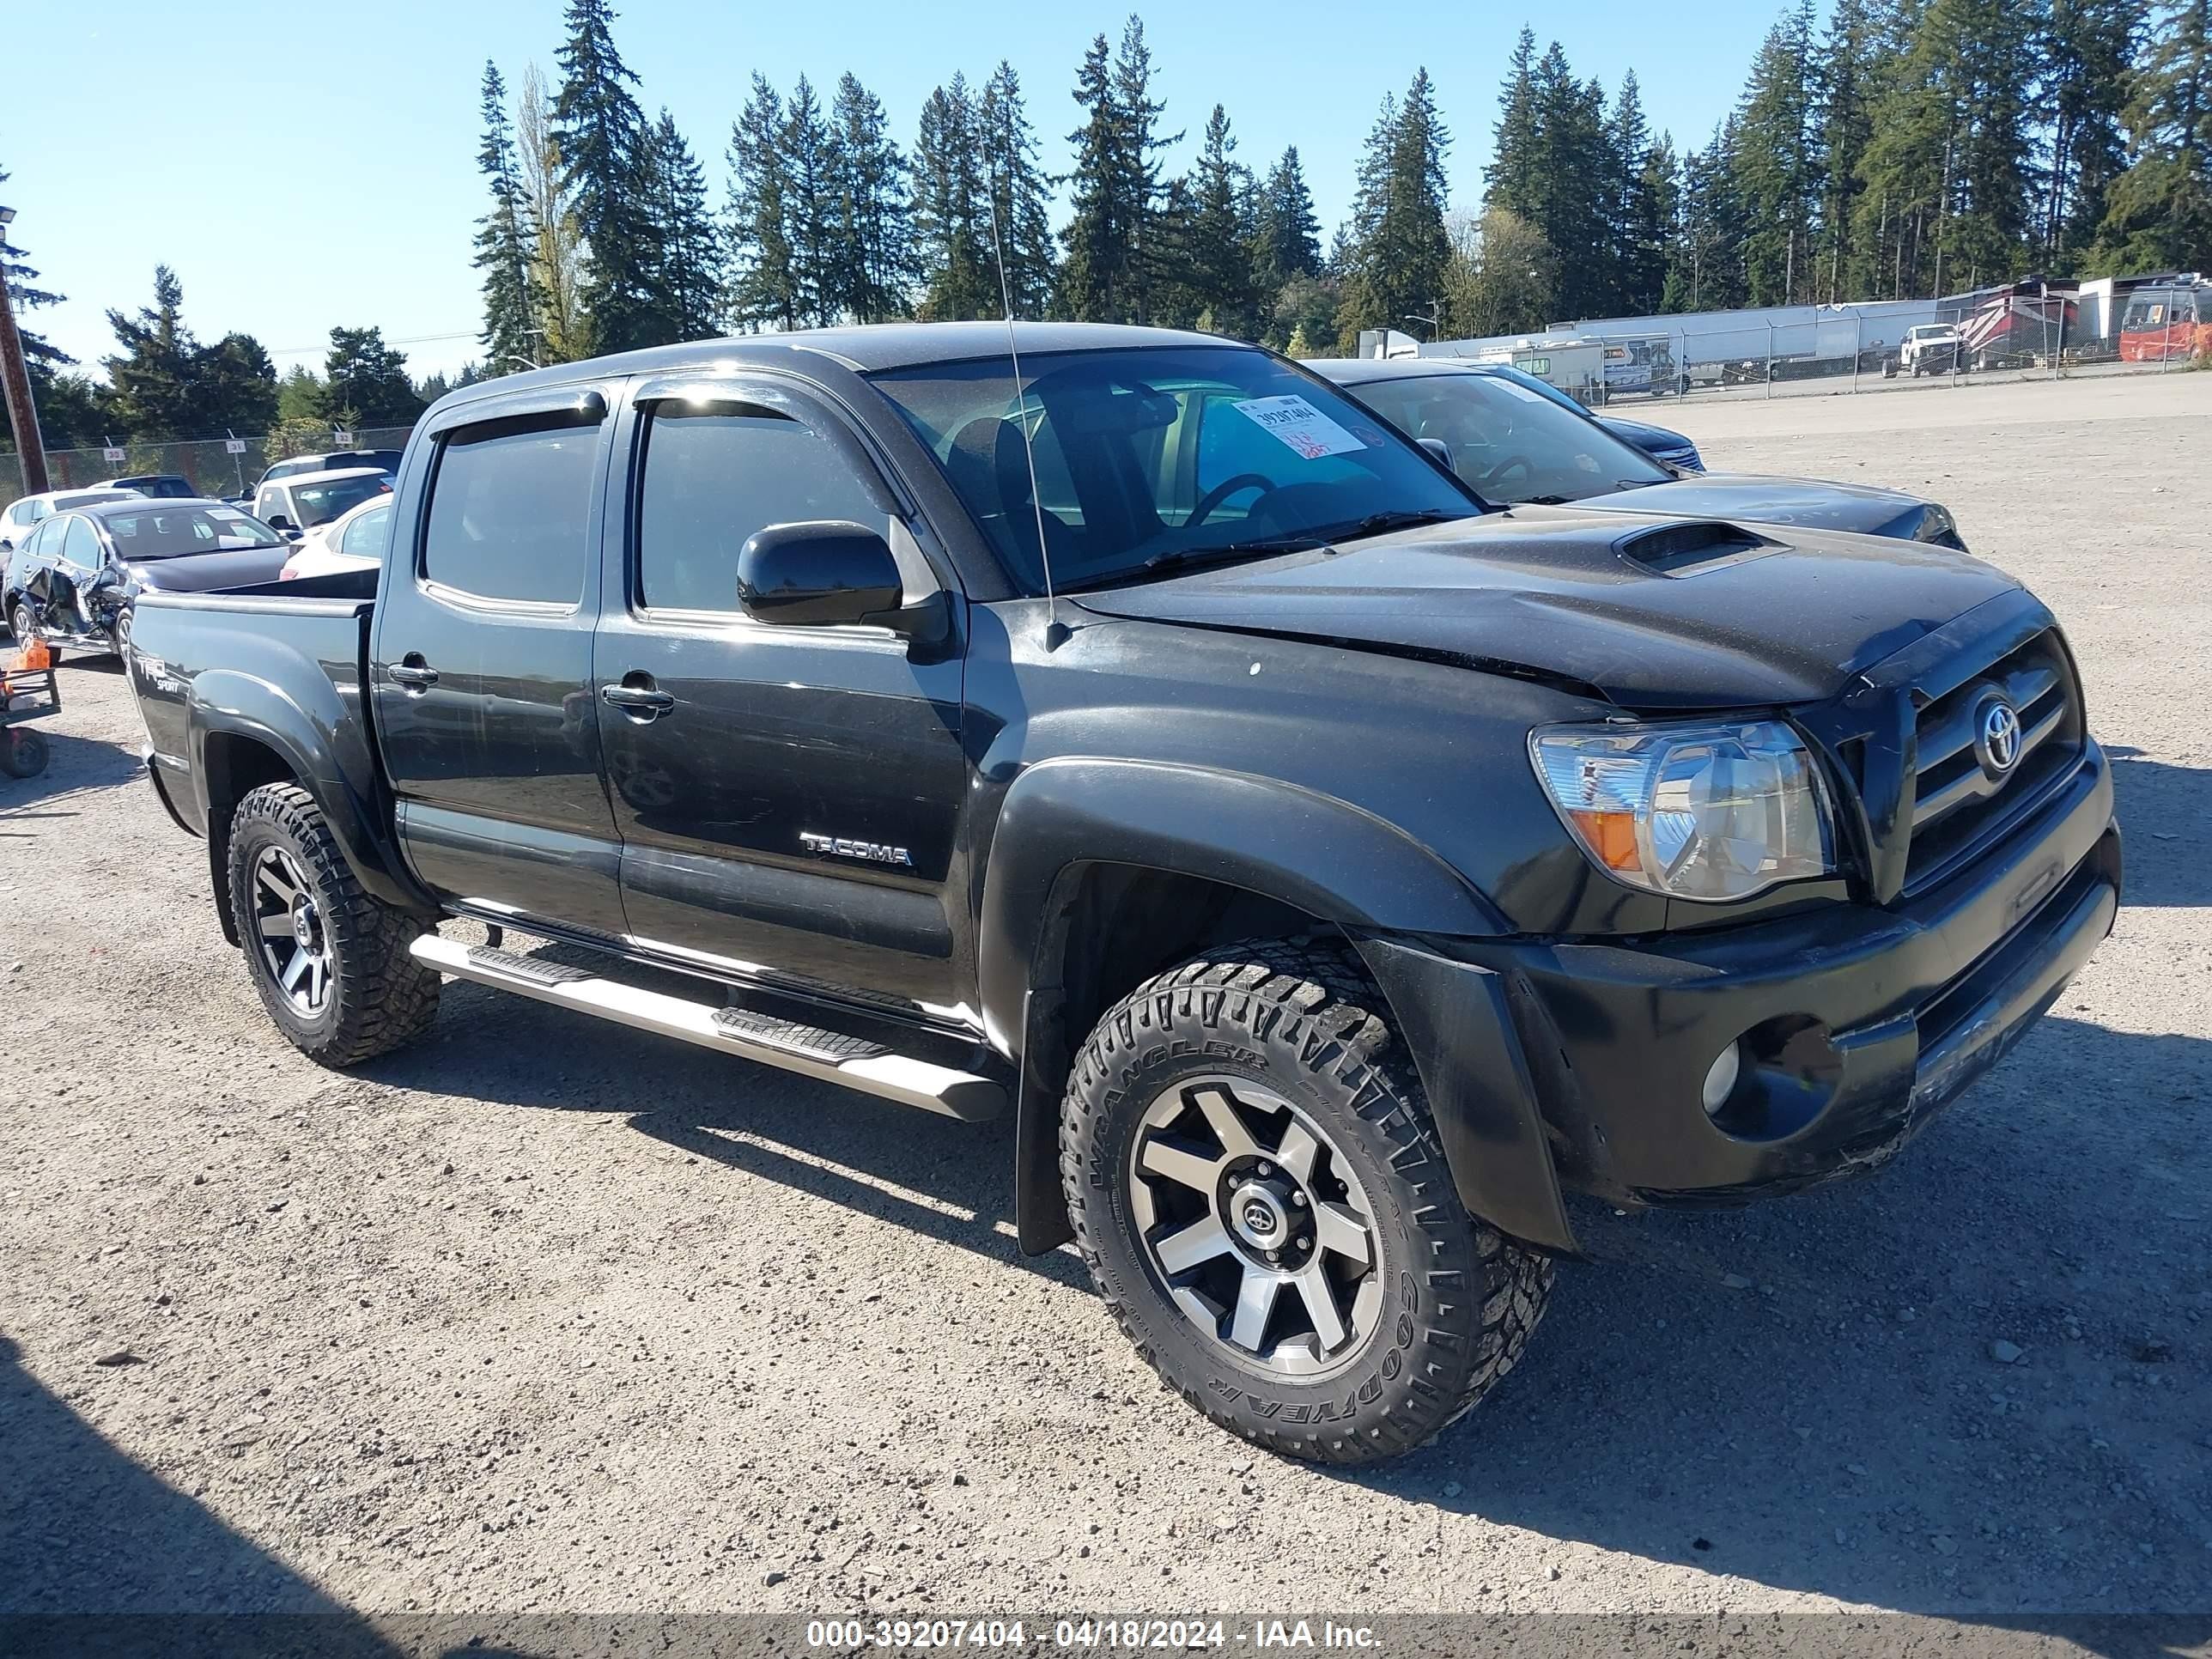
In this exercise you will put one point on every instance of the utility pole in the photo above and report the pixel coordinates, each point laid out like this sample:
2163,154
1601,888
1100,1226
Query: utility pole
15,380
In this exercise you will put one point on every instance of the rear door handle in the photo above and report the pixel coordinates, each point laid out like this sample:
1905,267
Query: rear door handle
637,696
411,672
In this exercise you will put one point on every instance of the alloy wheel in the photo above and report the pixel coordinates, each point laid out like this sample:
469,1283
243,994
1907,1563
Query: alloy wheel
1256,1224
293,934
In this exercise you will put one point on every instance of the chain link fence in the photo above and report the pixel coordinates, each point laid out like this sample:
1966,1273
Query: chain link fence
216,466
1765,361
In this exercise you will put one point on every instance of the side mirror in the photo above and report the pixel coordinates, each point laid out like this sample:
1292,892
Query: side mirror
819,574
1439,449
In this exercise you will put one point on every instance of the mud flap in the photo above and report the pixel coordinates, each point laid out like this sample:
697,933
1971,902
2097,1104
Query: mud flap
1455,1020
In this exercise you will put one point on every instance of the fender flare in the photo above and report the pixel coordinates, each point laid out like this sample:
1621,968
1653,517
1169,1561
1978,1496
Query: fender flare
1335,861
230,703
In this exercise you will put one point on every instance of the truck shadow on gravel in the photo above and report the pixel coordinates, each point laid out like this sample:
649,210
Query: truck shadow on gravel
1816,1395
1973,1385
2165,816
828,1142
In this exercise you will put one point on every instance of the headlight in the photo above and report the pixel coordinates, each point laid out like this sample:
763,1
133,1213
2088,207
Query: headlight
1713,810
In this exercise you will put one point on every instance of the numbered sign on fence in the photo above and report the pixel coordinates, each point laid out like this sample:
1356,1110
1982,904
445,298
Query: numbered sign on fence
234,446
115,456
346,440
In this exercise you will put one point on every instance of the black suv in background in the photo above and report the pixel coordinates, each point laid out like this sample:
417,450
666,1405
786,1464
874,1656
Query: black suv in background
1327,870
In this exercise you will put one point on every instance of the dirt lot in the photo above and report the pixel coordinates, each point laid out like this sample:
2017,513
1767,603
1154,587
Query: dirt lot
539,1315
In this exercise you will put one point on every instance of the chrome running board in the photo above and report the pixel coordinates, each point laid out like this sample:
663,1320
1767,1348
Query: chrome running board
832,1056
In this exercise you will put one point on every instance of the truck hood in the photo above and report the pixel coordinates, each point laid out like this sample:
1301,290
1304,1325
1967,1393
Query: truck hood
1748,497
1549,594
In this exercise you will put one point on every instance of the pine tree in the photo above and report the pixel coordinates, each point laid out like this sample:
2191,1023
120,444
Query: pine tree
686,286
152,376
1949,168
1020,193
1706,273
1217,245
503,253
2158,212
1400,253
553,238
1510,179
40,355
607,153
1776,166
1637,232
1651,229
764,289
809,165
872,234
951,229
1856,59
234,386
1093,284
1140,143
2090,50
368,379
1285,231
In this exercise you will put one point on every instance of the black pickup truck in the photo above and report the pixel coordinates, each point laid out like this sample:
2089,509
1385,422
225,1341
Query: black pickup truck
1122,728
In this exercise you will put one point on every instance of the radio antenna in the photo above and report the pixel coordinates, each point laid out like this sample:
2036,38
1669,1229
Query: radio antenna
1053,632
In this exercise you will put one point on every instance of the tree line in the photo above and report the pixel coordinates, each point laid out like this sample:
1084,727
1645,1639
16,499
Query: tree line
1905,147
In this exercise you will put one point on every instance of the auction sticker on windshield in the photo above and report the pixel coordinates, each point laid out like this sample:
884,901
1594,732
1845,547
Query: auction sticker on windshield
1300,425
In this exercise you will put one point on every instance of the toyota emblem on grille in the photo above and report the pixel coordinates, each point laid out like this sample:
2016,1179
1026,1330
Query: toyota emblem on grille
1997,738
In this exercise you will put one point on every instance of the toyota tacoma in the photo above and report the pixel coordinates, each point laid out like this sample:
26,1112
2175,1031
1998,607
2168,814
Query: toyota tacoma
1122,730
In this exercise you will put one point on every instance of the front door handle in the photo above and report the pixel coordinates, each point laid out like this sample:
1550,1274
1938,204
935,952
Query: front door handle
411,672
637,696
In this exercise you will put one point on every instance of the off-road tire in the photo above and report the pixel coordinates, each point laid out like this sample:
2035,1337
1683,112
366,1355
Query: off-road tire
1302,1017
380,997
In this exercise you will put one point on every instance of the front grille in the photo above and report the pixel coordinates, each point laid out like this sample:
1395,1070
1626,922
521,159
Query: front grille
1958,807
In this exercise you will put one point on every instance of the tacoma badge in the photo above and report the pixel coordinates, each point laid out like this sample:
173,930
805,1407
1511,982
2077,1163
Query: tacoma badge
837,846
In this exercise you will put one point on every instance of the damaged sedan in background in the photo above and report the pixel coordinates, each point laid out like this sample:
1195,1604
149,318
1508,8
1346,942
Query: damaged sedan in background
76,579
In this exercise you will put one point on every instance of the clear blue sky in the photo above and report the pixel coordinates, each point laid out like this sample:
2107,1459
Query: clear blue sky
306,165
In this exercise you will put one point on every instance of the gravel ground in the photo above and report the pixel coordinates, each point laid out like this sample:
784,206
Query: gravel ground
548,1315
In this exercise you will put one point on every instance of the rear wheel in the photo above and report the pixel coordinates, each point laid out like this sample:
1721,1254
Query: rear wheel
19,623
1256,1184
329,960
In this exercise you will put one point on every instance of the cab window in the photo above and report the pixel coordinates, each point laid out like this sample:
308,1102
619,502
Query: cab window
712,479
511,508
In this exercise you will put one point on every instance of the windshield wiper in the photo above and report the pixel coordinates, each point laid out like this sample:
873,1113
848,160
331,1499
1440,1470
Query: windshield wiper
1381,523
1182,558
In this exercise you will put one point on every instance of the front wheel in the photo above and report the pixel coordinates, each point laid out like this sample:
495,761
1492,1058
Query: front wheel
1256,1184
329,959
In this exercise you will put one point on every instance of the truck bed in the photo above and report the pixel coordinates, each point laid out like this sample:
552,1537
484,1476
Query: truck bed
289,657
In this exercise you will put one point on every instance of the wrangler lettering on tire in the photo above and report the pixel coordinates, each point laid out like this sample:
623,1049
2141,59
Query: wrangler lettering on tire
1257,1185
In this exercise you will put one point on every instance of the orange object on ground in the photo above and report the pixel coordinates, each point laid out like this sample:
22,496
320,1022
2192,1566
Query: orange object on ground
33,657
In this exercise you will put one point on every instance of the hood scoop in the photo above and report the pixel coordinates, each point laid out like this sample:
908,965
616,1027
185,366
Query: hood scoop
1690,545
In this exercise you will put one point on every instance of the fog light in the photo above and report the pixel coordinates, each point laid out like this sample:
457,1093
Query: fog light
1720,1082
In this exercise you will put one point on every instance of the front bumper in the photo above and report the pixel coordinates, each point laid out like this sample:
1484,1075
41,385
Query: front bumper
1858,1023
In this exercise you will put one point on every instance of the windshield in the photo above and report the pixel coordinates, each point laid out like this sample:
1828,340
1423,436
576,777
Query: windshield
1156,457
319,503
1509,442
164,532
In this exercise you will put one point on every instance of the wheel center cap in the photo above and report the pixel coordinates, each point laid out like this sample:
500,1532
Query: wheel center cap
303,924
1257,1214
